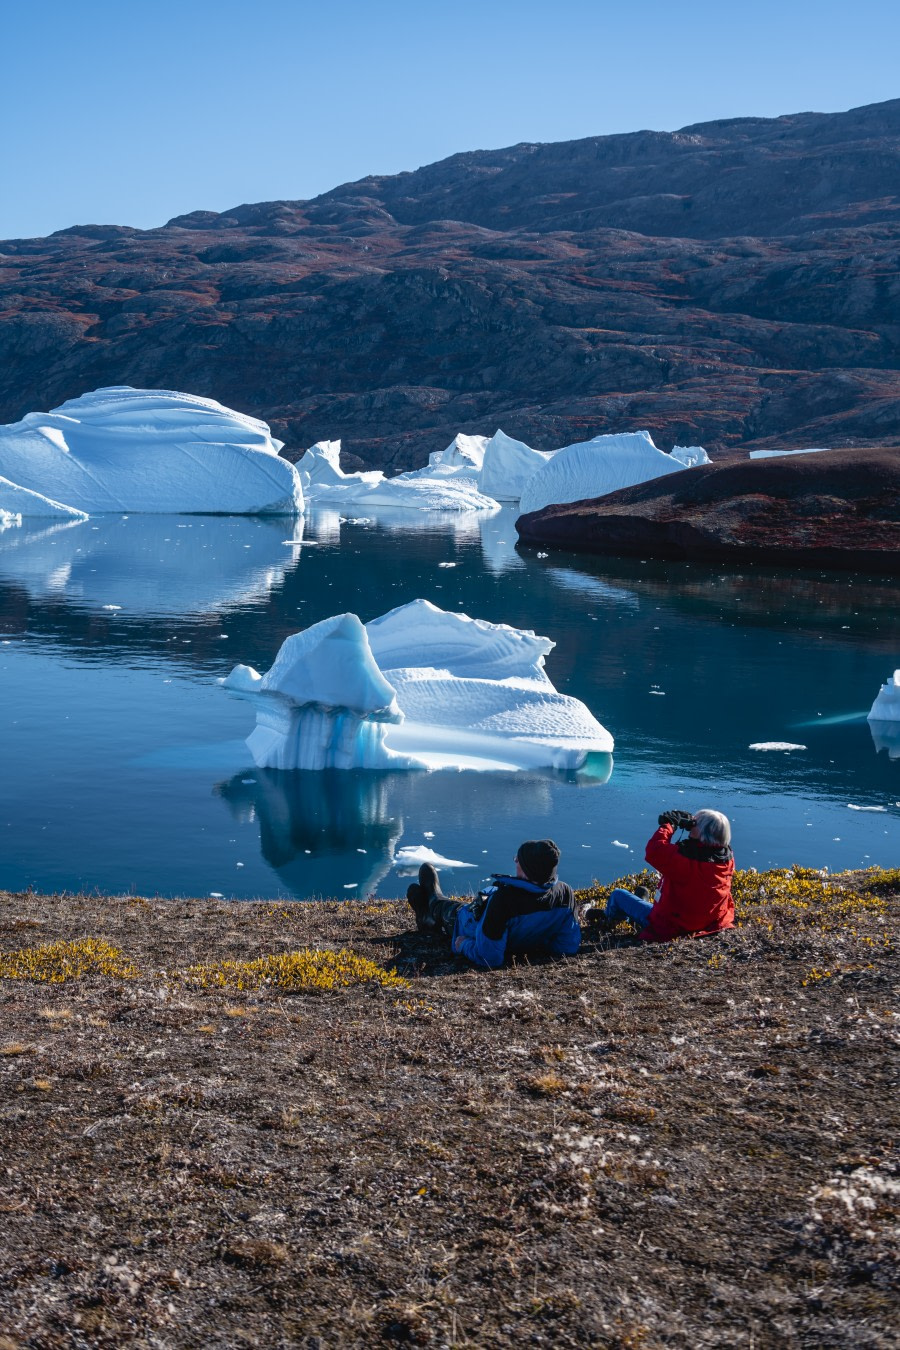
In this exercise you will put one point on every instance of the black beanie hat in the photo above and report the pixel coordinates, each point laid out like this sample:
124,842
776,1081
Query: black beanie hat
539,859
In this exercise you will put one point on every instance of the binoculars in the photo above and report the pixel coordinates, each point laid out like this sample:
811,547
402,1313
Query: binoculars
682,820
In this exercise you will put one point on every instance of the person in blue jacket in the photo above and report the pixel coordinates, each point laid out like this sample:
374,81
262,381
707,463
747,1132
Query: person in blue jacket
530,913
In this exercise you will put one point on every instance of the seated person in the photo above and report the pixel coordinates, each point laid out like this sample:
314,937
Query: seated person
531,912
694,897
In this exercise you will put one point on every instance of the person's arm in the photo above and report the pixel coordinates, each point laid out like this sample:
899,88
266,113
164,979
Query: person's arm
480,950
661,852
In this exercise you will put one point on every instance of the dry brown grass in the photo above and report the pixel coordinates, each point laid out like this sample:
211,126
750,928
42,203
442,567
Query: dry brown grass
683,1146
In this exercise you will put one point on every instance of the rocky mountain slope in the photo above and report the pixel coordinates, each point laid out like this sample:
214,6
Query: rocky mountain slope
735,283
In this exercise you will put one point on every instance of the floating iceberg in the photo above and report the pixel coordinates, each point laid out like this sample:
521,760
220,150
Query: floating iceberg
450,485
886,707
776,454
594,468
690,455
416,688
144,450
508,465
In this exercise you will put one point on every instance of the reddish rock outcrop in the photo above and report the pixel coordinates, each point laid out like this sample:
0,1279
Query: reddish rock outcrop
732,284
835,509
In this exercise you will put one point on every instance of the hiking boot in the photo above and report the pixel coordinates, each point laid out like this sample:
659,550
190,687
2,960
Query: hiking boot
429,882
420,895
418,903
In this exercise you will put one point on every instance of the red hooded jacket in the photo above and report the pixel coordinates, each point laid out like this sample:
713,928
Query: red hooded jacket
695,896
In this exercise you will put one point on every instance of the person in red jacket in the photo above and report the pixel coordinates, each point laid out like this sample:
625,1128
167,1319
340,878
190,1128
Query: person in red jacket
694,897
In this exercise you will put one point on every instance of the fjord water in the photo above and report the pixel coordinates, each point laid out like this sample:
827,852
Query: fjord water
124,764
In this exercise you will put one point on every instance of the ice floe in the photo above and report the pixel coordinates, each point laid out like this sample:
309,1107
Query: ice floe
144,450
414,855
595,468
886,707
416,688
776,745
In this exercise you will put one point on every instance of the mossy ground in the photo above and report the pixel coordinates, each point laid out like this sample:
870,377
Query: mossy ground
685,1145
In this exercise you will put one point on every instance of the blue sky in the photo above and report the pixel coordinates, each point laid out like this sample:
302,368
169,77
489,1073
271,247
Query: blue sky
135,111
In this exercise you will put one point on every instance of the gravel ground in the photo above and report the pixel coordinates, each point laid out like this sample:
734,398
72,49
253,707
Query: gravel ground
685,1145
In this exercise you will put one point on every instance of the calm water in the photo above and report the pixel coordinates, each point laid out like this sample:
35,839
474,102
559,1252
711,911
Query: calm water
124,766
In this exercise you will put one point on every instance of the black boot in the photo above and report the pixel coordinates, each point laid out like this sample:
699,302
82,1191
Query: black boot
420,895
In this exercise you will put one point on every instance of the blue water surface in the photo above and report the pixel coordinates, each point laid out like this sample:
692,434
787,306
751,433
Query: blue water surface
124,763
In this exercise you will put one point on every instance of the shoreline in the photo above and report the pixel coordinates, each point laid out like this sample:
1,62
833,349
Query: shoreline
678,1145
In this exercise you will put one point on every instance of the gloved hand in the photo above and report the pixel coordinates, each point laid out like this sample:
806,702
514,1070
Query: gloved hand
682,820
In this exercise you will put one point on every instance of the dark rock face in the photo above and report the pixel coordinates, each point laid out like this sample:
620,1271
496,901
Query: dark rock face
839,508
732,284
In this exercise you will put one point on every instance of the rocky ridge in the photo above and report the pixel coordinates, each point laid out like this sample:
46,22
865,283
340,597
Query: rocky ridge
834,509
749,300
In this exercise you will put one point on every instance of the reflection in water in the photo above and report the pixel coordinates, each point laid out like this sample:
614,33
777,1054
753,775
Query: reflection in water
886,736
592,588
152,564
315,827
498,540
337,830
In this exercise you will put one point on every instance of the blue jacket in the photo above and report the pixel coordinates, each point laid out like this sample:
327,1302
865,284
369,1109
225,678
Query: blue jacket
519,917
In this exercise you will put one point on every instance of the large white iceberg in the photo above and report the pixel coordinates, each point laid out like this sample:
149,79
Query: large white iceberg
416,688
508,465
450,486
886,707
594,468
144,450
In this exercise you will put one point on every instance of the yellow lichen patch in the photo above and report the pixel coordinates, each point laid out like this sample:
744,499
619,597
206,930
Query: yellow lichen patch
56,962
301,972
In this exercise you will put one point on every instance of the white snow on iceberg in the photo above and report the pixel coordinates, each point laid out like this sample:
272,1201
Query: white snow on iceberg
145,450
17,501
416,688
594,468
886,707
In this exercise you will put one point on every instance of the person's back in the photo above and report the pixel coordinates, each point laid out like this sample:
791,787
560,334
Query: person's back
694,897
532,912
695,894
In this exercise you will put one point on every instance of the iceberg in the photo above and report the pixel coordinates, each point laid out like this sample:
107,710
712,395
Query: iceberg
416,688
144,450
17,502
594,468
444,485
508,465
886,707
776,454
690,455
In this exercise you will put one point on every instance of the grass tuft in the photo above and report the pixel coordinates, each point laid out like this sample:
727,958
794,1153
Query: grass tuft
57,962
303,972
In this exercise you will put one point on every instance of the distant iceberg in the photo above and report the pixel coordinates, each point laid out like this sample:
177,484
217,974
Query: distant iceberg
448,483
508,465
416,688
144,450
690,455
886,707
594,468
776,454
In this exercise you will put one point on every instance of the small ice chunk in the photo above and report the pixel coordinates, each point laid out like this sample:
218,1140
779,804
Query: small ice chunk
660,693
112,606
350,885
428,834
216,895
415,855
617,843
852,807
776,745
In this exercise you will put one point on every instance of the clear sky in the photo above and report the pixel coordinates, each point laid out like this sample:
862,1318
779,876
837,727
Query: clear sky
133,111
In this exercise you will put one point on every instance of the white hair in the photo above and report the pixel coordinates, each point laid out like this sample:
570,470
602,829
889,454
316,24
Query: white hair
712,827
